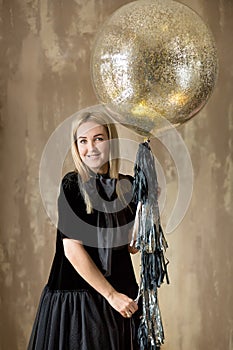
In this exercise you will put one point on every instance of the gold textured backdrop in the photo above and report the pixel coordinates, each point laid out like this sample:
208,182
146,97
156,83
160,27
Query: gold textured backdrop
45,54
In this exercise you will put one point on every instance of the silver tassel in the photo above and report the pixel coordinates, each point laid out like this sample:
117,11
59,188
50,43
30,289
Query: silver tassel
149,238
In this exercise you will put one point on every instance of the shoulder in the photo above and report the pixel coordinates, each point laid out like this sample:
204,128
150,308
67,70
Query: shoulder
70,178
126,183
126,177
69,182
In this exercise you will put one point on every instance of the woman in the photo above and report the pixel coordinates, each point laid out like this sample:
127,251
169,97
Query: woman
88,302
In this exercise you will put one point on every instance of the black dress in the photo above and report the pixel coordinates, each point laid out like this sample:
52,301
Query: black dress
71,314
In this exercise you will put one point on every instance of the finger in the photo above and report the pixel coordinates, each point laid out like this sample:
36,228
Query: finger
126,314
130,311
133,307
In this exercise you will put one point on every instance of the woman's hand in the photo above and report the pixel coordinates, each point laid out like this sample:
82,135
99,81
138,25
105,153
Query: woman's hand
122,303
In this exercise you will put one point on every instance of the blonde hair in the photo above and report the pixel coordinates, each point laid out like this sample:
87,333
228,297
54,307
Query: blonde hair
100,118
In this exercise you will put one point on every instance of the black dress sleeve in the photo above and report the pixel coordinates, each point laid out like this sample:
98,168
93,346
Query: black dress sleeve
71,208
132,207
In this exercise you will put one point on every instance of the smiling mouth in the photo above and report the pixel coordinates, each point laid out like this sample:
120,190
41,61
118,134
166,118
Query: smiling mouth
93,155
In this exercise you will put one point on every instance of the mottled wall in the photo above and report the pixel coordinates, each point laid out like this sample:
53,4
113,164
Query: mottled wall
45,48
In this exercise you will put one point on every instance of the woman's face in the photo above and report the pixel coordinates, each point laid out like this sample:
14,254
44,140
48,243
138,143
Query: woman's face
93,146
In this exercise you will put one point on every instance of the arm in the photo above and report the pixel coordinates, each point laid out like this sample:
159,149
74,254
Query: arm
84,265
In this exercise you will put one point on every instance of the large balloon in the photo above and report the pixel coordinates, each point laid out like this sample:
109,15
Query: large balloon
154,59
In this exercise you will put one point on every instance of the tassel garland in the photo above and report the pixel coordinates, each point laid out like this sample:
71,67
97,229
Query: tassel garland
148,237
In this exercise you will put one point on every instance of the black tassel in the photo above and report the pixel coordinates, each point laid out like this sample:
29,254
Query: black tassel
152,244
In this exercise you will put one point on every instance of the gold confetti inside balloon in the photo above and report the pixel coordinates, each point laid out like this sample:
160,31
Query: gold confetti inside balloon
154,59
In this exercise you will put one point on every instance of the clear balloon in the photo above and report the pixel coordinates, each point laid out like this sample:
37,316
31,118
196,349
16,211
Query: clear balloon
154,59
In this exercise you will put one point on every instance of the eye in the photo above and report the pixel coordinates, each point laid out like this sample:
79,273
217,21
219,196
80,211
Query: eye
82,141
99,138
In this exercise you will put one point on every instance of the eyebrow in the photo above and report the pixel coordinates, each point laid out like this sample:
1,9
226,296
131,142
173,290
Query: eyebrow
84,137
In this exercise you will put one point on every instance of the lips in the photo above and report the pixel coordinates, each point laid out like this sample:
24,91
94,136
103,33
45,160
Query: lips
93,156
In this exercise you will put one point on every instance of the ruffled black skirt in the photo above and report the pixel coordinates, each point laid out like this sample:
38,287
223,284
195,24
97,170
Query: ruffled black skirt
81,320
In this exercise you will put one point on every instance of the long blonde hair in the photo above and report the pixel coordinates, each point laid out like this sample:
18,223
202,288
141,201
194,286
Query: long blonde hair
100,118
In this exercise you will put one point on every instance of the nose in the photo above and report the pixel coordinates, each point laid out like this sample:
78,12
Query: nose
91,146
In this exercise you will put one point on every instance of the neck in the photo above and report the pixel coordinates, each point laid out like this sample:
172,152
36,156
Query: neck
103,170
